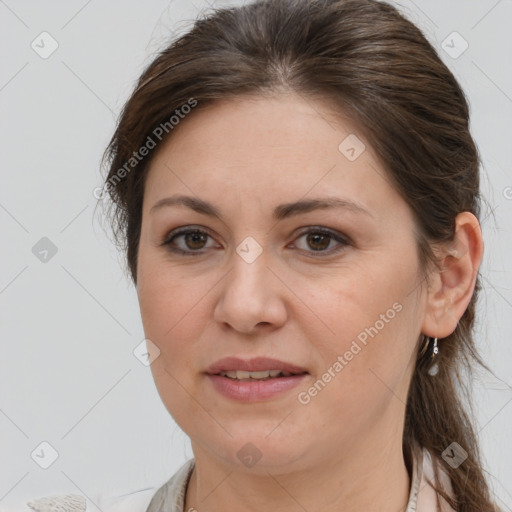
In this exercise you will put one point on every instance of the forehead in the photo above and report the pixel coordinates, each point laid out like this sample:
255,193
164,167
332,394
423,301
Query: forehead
259,126
267,150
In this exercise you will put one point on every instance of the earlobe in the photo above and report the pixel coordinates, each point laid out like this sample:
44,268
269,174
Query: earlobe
453,283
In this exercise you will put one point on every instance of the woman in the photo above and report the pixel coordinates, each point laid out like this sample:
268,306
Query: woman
296,189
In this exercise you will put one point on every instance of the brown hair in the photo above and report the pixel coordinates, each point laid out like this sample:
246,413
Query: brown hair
378,68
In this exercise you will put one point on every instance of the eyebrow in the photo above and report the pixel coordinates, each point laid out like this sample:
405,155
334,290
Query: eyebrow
281,212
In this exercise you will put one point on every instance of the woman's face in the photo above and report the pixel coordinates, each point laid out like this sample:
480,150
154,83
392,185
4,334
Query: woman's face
335,291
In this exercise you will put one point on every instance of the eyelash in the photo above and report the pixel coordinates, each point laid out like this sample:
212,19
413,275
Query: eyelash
343,240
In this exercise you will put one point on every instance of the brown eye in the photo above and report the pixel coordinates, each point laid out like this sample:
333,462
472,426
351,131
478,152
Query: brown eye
187,241
195,239
320,240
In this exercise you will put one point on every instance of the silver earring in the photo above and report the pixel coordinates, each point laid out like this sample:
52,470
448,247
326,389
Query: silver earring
435,350
434,368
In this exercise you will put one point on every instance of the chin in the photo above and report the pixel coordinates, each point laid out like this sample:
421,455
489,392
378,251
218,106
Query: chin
257,450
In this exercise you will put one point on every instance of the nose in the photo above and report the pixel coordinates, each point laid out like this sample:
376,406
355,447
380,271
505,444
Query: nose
251,297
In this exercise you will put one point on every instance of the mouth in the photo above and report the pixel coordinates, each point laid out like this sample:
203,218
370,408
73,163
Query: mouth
254,380
242,375
259,368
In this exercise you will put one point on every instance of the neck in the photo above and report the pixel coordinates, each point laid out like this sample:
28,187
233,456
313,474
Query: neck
364,477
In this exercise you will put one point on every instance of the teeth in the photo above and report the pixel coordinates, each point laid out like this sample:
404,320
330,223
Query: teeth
243,375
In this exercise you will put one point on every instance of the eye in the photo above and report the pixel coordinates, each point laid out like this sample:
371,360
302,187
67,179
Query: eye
320,239
192,240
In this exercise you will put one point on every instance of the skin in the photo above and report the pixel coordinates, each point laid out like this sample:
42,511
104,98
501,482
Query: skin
343,450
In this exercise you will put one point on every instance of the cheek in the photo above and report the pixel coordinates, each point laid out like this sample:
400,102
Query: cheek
171,315
171,310
370,294
164,296
373,318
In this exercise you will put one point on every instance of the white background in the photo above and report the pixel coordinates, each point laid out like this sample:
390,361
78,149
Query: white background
69,326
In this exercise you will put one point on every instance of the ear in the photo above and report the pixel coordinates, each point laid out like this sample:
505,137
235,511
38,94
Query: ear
451,286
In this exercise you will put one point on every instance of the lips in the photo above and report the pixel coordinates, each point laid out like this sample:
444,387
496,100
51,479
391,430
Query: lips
243,380
258,364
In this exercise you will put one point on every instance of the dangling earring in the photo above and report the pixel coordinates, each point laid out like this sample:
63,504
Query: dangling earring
434,368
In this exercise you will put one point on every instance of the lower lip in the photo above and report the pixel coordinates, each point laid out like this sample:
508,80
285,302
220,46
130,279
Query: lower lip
255,390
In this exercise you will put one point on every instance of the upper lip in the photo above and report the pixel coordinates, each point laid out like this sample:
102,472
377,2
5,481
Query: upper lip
257,364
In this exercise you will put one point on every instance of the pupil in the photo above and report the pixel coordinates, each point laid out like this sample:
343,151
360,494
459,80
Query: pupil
315,238
196,237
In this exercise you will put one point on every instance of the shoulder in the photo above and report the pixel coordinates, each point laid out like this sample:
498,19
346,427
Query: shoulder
136,501
168,497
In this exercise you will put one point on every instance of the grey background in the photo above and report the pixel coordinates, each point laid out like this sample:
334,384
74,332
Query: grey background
69,325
